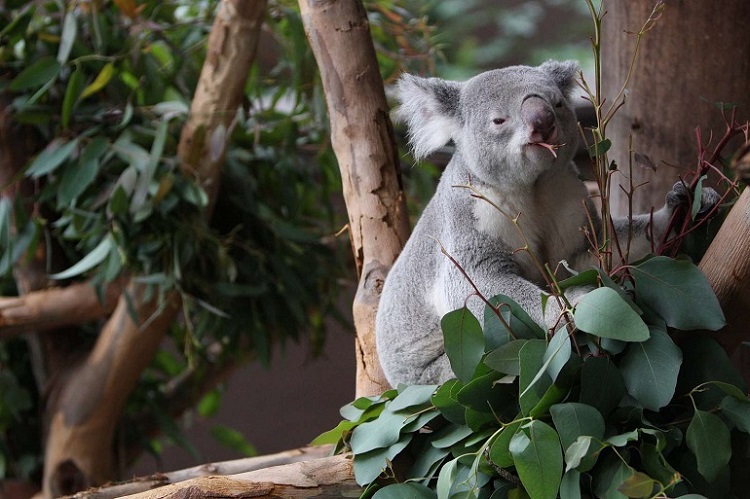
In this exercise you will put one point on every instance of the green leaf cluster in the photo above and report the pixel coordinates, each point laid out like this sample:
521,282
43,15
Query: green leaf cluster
614,408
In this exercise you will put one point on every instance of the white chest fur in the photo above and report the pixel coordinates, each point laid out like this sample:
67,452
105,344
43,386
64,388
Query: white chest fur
544,221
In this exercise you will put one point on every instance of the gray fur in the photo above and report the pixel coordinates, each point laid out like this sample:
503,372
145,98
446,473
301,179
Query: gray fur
496,160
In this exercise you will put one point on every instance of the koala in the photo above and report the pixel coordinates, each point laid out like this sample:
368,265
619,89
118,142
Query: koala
515,134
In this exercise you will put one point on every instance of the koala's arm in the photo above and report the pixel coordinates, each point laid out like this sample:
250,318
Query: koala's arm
645,236
493,272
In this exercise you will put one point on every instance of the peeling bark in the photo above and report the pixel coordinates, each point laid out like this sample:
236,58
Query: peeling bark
362,137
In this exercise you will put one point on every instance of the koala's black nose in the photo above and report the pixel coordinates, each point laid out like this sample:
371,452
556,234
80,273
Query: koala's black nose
538,116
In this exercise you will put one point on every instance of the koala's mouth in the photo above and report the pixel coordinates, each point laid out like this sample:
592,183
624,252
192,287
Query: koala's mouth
552,148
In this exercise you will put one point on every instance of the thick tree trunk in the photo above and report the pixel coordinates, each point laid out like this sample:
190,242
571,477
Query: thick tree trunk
90,401
727,267
685,64
363,141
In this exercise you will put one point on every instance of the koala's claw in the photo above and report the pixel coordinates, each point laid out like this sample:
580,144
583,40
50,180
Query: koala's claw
680,196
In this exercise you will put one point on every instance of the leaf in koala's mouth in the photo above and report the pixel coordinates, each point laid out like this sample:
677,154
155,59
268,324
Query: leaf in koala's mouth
550,147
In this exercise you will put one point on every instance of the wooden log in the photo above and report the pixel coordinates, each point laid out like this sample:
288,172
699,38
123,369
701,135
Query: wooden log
325,477
234,467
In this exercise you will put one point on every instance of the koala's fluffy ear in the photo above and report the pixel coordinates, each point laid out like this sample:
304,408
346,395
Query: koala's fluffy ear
430,109
564,73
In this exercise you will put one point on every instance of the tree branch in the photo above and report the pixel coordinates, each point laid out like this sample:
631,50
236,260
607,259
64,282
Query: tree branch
54,307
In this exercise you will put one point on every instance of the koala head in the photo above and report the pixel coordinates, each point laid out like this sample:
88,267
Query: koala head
509,125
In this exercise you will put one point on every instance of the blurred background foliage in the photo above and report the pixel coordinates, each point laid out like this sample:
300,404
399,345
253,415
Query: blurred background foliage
101,90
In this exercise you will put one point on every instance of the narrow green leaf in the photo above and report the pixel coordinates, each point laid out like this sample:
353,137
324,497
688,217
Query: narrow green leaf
604,313
72,93
450,435
650,370
40,73
708,438
51,157
538,459
76,179
573,420
100,81
464,342
678,292
623,439
68,37
91,260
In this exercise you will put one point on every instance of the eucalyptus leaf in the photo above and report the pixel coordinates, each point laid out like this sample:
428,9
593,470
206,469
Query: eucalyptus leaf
583,453
637,485
650,370
72,93
500,448
91,260
51,157
378,433
506,359
557,353
533,380
368,466
602,385
38,74
446,401
573,420
464,342
612,471
708,438
76,178
679,293
538,459
408,490
737,411
570,486
68,36
410,396
520,323
602,312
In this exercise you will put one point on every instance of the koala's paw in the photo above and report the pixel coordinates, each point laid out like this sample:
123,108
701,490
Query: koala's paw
680,196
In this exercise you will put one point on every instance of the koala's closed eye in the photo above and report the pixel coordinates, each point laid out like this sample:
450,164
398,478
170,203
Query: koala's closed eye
559,104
